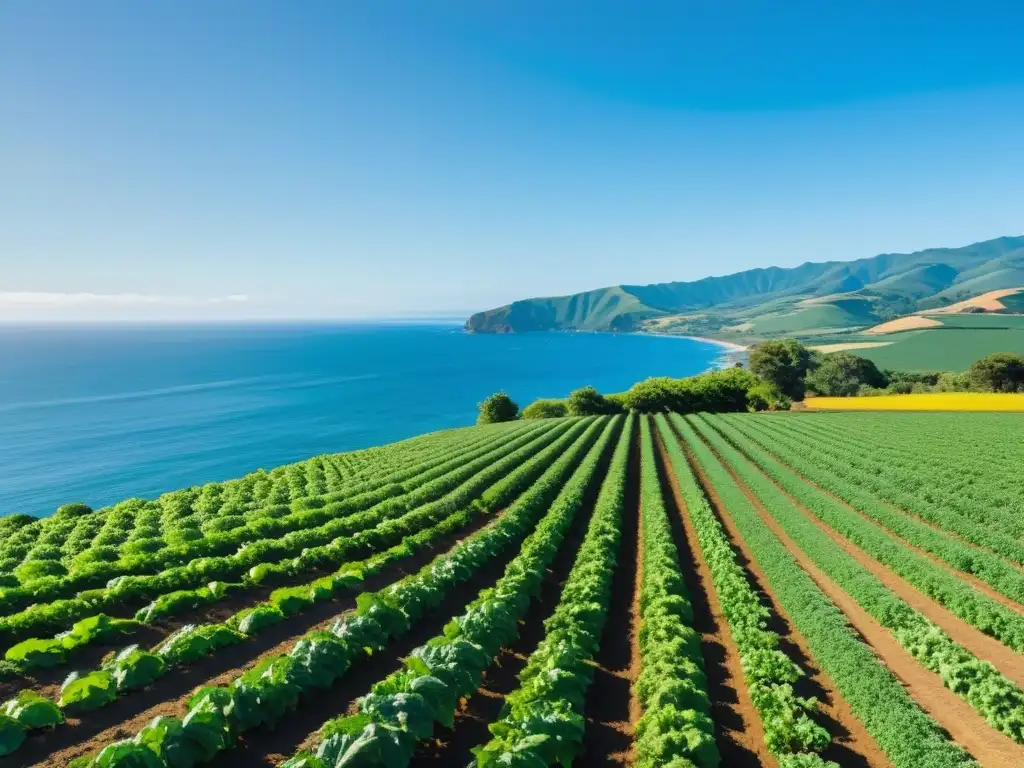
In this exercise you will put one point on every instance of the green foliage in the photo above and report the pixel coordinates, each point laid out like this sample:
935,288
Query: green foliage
908,736
765,397
30,711
76,509
497,408
81,693
546,409
724,390
133,668
998,372
587,401
842,374
783,363
12,735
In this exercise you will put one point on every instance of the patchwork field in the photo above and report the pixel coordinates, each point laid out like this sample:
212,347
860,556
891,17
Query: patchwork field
792,590
938,401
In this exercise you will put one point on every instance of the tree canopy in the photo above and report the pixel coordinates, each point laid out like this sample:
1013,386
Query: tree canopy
496,408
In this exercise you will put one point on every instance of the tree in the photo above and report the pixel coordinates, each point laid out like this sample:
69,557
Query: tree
842,375
545,409
587,401
998,372
783,363
496,408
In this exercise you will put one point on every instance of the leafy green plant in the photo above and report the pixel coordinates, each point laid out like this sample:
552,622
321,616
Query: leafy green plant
81,693
30,710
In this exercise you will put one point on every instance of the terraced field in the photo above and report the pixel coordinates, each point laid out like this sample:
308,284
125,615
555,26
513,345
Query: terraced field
790,590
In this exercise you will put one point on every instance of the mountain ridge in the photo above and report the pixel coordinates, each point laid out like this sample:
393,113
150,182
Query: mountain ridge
893,283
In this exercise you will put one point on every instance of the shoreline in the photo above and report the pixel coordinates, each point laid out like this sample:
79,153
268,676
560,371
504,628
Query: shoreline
729,345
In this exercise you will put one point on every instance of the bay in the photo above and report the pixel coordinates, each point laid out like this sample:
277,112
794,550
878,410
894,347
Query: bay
100,414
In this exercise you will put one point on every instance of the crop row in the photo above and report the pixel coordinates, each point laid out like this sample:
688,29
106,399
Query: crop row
672,688
317,548
791,733
984,480
134,668
403,708
318,513
542,722
139,526
988,615
907,735
265,693
837,461
999,701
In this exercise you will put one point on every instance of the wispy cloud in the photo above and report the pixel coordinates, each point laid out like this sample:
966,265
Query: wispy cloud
56,299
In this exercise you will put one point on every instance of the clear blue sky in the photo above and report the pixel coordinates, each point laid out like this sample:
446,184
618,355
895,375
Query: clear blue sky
215,158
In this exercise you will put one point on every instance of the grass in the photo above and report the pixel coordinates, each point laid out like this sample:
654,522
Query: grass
940,401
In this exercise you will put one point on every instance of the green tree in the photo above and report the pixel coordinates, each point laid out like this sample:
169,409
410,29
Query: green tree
545,409
587,401
842,375
998,372
498,407
783,363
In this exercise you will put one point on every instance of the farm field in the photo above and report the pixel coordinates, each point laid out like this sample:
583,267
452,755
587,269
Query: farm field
796,590
928,401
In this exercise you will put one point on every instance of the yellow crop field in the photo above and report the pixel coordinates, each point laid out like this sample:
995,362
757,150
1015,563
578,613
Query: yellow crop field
939,401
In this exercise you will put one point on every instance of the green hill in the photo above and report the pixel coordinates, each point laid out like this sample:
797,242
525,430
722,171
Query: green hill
773,300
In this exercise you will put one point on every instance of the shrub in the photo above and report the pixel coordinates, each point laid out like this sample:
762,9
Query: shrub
783,363
587,401
998,372
765,397
76,509
842,374
546,409
497,408
719,391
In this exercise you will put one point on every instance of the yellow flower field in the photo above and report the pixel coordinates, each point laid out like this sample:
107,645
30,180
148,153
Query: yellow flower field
940,401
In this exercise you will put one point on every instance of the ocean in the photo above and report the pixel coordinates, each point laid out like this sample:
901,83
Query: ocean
100,414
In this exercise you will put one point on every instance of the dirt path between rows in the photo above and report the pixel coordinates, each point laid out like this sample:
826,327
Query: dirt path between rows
954,715
738,730
608,737
852,745
1006,660
128,714
451,746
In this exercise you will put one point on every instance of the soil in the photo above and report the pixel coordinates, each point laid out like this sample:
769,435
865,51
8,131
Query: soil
907,323
128,714
964,726
852,745
608,737
1006,660
451,746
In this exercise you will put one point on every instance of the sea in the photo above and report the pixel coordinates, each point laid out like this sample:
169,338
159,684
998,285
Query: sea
103,413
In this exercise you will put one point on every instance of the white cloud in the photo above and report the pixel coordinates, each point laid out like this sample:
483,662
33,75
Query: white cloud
54,299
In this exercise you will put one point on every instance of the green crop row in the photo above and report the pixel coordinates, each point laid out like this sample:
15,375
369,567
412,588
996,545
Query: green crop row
75,537
542,722
998,700
377,521
132,668
918,471
789,728
402,708
303,528
835,461
262,695
675,727
989,616
907,735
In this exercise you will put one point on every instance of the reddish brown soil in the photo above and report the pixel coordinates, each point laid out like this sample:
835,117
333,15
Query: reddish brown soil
991,748
852,745
451,746
128,714
1007,661
609,734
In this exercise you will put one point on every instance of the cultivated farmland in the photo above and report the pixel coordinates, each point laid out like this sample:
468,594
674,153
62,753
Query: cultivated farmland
793,590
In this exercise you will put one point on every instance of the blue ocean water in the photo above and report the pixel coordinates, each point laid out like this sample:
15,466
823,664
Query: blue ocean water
100,414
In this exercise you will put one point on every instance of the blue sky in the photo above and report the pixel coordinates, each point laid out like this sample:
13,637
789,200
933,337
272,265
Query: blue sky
224,159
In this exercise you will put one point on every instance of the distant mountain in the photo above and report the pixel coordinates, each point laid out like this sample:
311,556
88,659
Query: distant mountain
851,293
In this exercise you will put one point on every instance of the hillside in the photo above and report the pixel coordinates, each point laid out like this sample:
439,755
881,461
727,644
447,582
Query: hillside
825,297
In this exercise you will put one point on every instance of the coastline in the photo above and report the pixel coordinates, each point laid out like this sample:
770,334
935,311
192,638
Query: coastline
729,345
